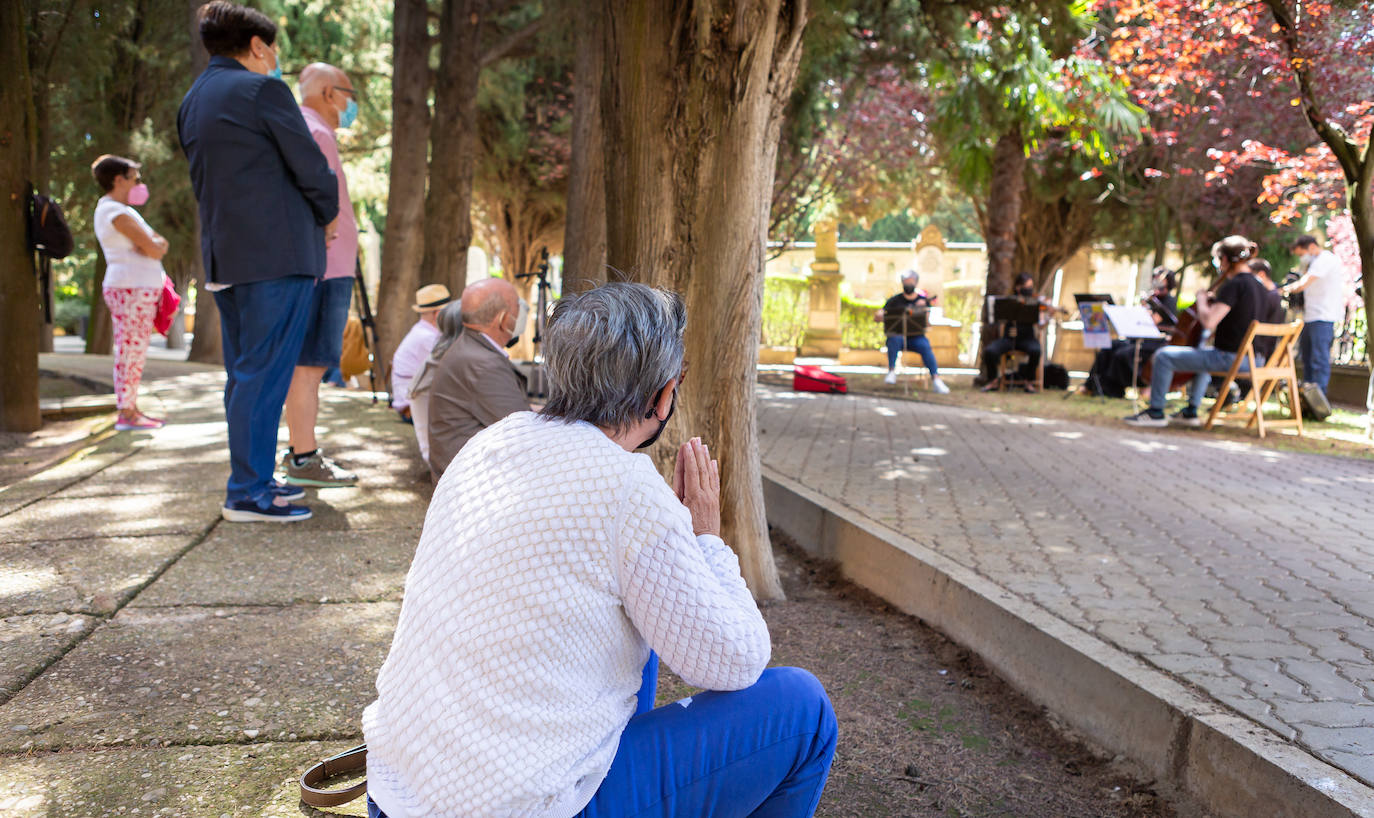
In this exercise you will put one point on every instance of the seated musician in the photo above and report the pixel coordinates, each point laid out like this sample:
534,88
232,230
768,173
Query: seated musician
1239,299
904,318
1114,367
1020,337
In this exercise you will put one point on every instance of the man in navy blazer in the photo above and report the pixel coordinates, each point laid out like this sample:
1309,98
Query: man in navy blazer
268,204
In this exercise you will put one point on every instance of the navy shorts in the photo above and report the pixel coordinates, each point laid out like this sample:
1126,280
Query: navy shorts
324,329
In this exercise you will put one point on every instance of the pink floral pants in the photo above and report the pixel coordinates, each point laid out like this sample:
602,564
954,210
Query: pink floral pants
132,310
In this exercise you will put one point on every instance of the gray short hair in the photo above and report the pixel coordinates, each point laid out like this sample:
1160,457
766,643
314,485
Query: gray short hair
608,353
450,327
911,275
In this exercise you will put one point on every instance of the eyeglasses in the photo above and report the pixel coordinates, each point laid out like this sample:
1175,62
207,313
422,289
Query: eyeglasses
348,91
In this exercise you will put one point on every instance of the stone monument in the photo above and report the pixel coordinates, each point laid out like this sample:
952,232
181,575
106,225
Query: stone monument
822,337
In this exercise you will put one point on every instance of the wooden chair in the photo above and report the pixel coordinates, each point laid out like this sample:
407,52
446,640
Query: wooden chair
1278,369
1010,367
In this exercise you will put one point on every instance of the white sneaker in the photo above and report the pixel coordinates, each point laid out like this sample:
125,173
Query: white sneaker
939,386
891,377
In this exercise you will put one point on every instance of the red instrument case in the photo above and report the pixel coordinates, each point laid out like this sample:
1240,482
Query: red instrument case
814,379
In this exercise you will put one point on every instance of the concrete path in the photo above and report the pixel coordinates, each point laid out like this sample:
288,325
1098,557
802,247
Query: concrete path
1243,571
155,660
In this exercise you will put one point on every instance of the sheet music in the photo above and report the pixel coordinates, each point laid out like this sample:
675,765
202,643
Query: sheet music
1132,321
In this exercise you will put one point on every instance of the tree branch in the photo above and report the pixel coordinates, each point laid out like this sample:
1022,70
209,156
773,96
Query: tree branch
1345,150
511,41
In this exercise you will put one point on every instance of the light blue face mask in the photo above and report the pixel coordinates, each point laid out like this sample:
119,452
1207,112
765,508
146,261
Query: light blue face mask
275,73
350,114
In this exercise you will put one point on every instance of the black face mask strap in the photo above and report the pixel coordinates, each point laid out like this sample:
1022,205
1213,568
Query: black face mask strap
662,424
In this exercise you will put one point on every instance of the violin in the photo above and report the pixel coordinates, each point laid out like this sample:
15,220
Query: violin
1186,332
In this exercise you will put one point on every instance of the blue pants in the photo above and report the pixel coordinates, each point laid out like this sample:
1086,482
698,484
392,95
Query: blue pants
1314,345
263,326
916,343
764,751
1171,359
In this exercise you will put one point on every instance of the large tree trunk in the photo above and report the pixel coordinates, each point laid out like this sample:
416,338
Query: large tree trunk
207,345
1004,209
584,243
453,145
692,106
99,331
19,314
403,245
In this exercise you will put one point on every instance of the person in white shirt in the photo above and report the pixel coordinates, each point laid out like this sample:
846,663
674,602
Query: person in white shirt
421,386
132,288
1325,288
416,346
554,567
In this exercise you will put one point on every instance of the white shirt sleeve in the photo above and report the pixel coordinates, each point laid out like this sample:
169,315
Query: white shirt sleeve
685,595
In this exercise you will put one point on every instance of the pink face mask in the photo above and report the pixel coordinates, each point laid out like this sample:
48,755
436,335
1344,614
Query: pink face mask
138,195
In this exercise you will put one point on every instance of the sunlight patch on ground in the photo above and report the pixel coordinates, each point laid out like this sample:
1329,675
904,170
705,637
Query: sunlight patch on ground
930,451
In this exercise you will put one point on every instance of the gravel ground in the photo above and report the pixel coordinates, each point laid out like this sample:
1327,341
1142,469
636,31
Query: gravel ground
925,728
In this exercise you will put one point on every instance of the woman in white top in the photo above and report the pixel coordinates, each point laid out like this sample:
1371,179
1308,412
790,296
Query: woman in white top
554,559
133,279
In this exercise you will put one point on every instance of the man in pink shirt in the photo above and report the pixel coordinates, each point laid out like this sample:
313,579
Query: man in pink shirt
328,101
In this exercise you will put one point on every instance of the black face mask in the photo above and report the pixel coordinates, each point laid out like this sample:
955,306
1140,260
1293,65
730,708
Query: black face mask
662,424
1026,291
908,288
514,339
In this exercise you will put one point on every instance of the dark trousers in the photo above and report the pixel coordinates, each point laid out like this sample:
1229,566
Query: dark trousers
993,352
263,327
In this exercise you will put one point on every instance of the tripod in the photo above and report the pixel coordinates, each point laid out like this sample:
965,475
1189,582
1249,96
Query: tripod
369,323
537,388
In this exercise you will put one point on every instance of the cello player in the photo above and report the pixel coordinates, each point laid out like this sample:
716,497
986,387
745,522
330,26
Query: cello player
1239,299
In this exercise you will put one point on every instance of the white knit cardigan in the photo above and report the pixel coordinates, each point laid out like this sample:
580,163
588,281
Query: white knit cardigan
551,561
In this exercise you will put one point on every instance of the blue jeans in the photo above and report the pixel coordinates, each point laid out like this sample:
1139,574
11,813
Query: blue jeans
1314,345
1171,359
764,751
324,328
916,343
263,326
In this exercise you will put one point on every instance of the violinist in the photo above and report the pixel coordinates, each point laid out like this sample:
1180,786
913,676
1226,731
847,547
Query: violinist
1021,336
1163,297
1227,314
1114,367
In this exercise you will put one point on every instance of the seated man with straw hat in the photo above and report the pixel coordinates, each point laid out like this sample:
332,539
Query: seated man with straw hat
415,347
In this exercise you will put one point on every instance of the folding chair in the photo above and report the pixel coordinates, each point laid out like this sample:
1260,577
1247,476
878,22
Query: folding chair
1263,379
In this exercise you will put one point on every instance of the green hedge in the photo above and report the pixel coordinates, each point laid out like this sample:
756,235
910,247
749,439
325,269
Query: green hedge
785,304
858,330
68,312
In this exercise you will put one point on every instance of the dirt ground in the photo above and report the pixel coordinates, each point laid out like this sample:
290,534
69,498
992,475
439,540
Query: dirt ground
925,729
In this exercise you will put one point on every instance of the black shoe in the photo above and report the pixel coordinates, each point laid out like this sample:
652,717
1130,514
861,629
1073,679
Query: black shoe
247,511
1148,419
1186,417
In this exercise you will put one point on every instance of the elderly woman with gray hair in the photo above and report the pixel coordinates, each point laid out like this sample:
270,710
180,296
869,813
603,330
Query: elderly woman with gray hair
556,565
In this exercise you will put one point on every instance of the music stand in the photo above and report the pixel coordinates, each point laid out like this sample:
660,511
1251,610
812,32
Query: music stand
1133,323
1014,311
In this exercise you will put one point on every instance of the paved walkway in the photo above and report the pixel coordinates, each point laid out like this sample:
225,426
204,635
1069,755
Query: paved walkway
155,660
1242,570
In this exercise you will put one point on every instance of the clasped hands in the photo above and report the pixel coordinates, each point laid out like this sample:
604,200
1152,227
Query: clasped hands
696,482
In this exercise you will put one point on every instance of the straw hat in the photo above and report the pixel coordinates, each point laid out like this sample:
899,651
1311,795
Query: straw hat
431,297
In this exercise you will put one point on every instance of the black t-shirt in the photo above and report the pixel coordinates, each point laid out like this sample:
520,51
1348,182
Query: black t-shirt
916,313
1272,312
1248,301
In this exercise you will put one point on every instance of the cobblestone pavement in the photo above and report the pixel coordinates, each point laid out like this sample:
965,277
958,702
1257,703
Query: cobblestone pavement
1242,570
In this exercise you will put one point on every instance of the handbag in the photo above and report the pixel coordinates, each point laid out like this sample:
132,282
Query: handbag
349,761
167,306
